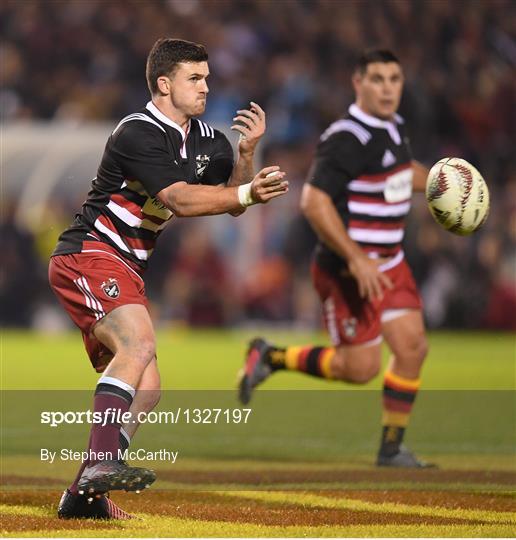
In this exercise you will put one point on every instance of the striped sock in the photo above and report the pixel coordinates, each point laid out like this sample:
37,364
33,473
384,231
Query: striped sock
315,361
111,395
124,439
399,395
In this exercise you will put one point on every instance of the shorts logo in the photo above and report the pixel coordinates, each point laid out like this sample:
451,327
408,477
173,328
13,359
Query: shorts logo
350,327
111,288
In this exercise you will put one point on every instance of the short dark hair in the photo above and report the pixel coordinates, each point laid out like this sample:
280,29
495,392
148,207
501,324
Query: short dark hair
371,56
166,53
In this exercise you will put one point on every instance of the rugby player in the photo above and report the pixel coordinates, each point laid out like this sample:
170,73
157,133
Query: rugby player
159,163
357,197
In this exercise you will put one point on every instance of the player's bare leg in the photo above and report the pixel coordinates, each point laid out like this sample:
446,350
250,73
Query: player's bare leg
407,341
405,335
126,331
356,364
146,398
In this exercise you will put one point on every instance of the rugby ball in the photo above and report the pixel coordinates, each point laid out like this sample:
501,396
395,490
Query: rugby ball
457,196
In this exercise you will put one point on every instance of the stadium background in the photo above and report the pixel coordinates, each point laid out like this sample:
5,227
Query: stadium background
71,70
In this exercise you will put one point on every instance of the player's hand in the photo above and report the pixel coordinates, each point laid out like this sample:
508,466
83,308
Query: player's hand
268,184
371,281
251,126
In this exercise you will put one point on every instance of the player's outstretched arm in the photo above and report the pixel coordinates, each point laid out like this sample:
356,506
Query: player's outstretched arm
188,200
320,211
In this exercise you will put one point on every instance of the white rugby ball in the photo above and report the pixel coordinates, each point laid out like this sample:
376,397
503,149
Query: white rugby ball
457,196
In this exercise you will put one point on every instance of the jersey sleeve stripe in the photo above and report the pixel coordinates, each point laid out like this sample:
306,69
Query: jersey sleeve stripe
209,131
351,127
138,116
206,130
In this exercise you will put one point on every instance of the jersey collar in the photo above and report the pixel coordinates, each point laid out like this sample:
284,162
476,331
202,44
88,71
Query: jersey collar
391,127
166,120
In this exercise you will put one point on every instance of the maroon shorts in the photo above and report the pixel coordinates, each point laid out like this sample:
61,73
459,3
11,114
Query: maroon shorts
89,286
351,320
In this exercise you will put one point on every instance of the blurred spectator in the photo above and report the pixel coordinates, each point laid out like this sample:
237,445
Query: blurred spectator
197,290
20,273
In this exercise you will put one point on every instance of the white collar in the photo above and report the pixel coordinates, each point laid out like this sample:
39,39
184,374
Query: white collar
166,120
390,126
373,121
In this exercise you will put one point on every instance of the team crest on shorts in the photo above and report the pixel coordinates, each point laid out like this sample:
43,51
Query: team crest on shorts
111,288
350,327
201,162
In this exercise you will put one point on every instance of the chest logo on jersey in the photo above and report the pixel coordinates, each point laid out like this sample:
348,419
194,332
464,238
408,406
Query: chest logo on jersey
388,159
111,288
398,186
201,162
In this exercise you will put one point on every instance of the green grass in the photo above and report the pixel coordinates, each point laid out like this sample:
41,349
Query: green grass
464,420
210,360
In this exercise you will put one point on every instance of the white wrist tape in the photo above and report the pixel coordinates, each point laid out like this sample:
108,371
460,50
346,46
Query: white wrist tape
244,195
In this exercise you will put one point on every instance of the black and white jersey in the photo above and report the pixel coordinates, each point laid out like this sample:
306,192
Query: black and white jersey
145,153
364,164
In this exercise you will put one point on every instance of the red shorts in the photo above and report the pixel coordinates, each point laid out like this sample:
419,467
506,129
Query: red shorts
351,320
89,286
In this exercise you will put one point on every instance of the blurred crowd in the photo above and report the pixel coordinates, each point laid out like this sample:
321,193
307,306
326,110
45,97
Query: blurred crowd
83,60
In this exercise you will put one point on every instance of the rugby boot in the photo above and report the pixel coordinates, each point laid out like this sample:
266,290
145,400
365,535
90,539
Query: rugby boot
75,506
256,368
111,475
403,459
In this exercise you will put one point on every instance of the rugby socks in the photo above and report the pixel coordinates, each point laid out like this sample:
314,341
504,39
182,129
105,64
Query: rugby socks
315,361
124,440
113,398
399,395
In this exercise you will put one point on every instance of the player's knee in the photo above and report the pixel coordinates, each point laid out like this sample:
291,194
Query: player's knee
142,351
417,347
357,371
424,347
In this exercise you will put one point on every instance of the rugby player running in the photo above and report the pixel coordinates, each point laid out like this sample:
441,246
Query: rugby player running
160,162
357,197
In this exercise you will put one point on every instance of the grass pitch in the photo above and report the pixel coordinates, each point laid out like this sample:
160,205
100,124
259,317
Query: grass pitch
310,475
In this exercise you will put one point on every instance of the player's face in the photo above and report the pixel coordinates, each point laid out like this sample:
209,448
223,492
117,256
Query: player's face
189,89
379,89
